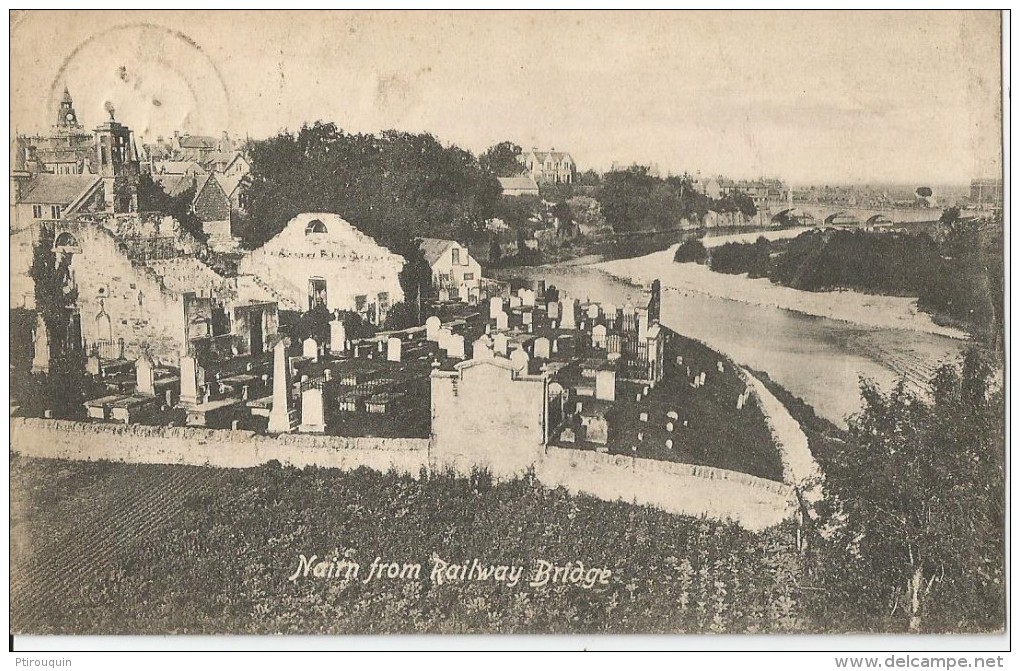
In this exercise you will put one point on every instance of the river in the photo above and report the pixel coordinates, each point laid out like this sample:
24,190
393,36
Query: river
816,358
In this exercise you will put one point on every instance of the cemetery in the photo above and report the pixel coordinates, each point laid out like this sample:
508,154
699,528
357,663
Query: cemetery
491,384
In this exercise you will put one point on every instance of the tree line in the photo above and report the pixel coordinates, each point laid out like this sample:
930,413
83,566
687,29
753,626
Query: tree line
953,271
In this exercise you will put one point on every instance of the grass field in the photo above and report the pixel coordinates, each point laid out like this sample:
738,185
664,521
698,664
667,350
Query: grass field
114,548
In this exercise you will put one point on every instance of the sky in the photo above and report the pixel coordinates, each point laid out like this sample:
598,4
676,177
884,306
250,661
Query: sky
809,97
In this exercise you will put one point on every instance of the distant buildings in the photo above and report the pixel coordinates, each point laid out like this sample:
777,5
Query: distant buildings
455,274
70,170
986,192
214,169
549,167
318,259
519,186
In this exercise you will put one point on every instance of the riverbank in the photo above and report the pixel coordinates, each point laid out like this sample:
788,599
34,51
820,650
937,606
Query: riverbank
847,306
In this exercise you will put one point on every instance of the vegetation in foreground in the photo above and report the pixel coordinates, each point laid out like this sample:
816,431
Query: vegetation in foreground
102,547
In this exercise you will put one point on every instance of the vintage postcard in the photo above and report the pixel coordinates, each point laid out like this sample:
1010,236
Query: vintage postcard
507,323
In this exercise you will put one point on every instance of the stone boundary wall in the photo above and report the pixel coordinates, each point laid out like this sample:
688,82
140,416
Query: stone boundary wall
699,491
86,441
754,503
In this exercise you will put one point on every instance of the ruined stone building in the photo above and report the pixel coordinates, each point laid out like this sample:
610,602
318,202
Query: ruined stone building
140,285
318,259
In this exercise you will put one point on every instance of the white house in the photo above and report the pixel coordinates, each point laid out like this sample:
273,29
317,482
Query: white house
453,270
321,259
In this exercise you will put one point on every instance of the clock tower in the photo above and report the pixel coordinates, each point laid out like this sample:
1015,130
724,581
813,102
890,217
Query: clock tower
66,117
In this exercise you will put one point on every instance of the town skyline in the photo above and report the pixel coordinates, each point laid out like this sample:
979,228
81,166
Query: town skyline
714,106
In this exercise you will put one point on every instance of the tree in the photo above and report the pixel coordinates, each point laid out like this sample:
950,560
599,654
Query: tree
415,281
916,505
152,198
501,160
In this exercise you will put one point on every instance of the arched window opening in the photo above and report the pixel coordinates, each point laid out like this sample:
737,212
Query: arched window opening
315,226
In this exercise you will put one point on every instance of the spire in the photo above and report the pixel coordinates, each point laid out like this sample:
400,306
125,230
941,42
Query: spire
66,116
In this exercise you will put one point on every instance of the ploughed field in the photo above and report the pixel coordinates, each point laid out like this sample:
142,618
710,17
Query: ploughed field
99,547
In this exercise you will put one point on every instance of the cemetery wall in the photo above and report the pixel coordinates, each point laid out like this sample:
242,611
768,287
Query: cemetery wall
754,503
135,443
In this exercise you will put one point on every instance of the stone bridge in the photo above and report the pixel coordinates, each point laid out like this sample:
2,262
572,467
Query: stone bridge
819,214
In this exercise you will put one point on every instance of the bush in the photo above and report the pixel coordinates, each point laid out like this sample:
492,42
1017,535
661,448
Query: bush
692,251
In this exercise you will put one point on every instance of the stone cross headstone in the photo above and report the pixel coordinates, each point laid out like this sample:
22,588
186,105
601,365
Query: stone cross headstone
313,419
393,347
310,349
145,376
279,415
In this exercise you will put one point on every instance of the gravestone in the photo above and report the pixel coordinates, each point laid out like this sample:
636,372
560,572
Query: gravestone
527,317
515,302
541,348
568,436
568,318
312,412
279,415
432,327
519,359
310,349
455,348
500,343
502,321
495,305
145,376
598,336
552,310
393,348
527,298
605,385
337,336
593,311
192,380
41,353
482,348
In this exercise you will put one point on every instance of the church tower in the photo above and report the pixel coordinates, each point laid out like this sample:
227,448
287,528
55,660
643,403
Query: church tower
67,118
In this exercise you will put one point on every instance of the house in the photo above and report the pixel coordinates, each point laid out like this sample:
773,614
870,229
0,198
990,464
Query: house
455,274
524,185
319,259
549,167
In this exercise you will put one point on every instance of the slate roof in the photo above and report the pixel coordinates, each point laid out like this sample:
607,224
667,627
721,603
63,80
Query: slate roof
199,142
523,183
228,183
58,189
433,248
174,184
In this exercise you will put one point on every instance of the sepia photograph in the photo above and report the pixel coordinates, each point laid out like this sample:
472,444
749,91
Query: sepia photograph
508,322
